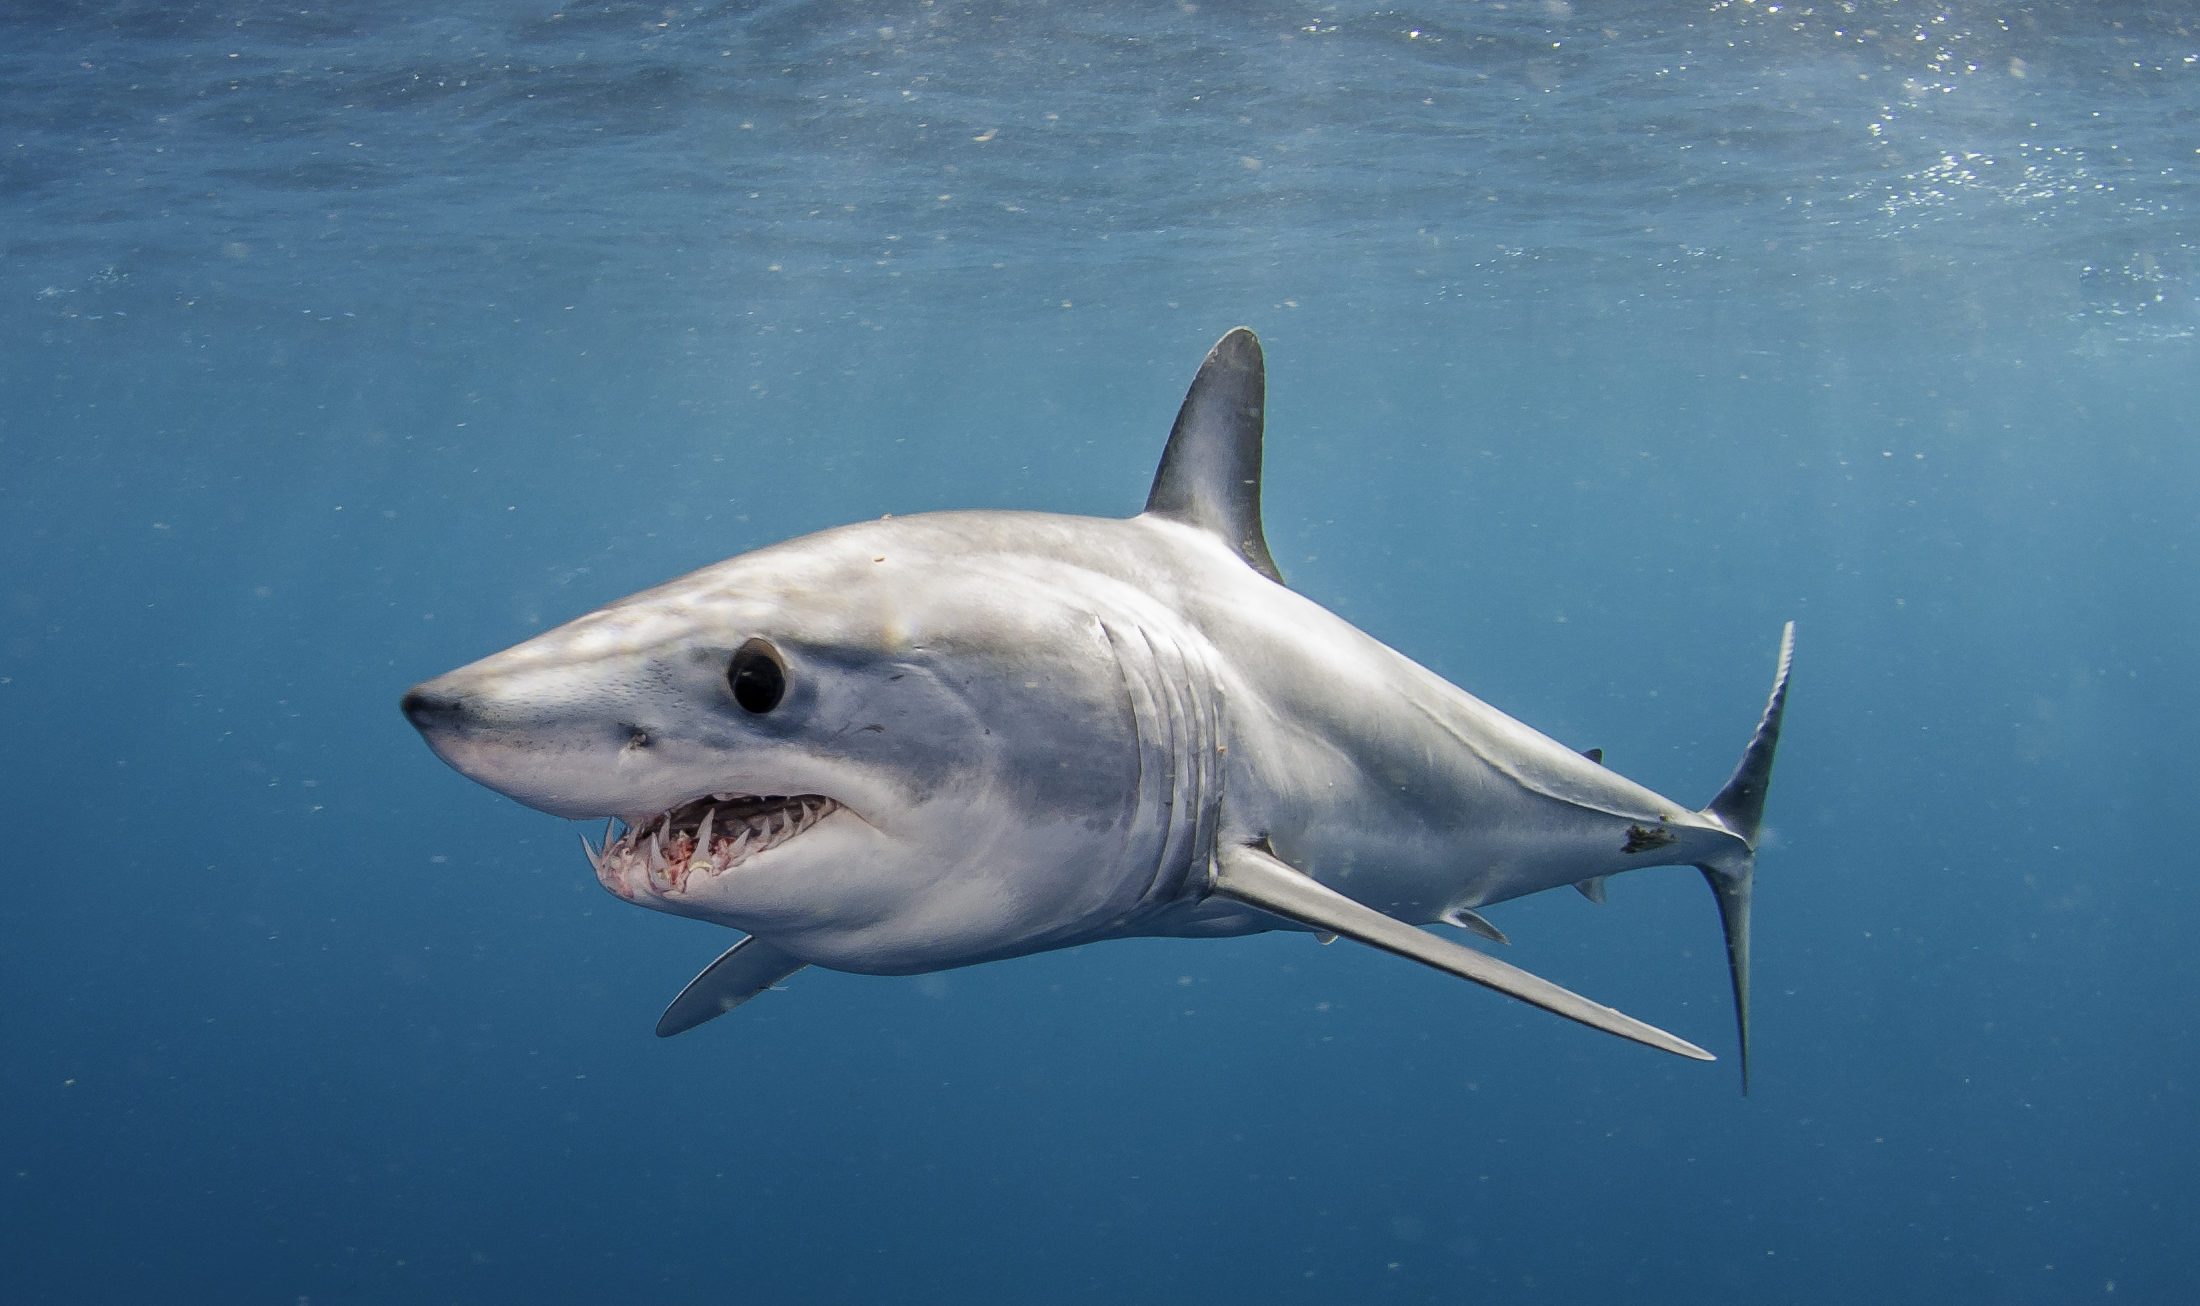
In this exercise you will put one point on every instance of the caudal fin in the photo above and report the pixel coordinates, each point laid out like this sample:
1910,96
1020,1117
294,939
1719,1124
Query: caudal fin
1740,807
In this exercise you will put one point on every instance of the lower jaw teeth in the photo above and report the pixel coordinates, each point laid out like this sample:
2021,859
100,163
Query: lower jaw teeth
668,859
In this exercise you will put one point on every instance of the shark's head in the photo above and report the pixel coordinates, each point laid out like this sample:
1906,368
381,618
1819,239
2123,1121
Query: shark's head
903,744
870,746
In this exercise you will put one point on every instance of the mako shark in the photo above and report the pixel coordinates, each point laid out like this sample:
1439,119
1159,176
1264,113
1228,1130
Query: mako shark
924,742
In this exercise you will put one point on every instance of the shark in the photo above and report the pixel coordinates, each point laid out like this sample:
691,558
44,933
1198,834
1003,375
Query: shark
929,741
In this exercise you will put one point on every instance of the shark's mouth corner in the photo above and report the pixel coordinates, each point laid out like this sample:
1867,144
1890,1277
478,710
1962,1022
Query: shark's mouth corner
707,836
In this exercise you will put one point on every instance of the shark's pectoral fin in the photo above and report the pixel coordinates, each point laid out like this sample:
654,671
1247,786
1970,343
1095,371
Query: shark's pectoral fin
1257,878
740,973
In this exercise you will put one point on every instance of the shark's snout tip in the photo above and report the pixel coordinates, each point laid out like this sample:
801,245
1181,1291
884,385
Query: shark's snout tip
428,707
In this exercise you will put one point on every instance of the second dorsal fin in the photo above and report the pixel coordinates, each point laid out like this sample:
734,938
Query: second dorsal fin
1210,472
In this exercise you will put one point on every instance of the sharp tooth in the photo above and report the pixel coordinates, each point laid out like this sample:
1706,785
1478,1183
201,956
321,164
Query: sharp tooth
656,848
594,865
608,836
702,833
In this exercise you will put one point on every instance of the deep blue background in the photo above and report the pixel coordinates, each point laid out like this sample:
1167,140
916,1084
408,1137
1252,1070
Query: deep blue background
1602,339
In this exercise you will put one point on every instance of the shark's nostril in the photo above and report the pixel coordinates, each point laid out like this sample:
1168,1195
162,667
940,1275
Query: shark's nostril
428,709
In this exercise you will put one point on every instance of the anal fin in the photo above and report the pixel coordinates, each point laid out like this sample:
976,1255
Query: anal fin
1257,878
740,973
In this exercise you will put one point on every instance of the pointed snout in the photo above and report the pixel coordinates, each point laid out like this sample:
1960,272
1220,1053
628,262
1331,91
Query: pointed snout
540,740
430,707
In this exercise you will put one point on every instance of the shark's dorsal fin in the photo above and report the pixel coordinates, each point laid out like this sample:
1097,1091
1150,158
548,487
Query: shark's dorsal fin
1210,473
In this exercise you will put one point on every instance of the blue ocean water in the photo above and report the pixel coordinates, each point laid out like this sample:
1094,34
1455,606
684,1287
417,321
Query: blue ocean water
339,347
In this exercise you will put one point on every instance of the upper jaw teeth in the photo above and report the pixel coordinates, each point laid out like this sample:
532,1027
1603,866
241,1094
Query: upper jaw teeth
711,835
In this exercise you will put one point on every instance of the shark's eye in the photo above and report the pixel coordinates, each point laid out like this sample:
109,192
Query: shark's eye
758,681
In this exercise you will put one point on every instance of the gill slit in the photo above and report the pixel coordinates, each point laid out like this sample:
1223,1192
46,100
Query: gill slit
1176,715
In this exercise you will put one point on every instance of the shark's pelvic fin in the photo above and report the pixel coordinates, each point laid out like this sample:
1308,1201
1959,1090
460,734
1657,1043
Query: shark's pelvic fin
1740,807
1468,919
1592,888
1257,878
1210,472
740,973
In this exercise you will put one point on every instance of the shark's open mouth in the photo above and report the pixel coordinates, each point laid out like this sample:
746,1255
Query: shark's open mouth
704,836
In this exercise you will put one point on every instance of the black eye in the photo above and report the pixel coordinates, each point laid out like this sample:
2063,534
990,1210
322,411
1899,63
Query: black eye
758,681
